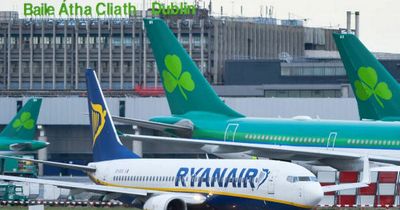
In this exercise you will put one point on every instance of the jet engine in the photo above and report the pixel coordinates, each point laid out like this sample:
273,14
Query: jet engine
165,202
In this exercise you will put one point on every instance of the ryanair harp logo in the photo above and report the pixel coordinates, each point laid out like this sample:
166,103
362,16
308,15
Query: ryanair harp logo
98,120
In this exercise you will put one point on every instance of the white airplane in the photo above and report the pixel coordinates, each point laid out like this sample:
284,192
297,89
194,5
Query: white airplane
181,184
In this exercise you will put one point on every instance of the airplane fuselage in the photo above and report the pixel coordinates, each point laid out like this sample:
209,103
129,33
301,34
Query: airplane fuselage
366,137
242,182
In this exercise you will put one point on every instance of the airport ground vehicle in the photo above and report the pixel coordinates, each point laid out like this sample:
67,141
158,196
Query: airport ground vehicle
14,167
10,192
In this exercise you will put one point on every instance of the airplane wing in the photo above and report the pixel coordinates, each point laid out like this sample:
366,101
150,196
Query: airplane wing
190,198
264,150
72,185
179,129
57,164
334,188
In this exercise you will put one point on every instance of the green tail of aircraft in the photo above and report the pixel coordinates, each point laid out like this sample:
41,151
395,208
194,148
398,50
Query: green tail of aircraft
186,88
376,91
23,126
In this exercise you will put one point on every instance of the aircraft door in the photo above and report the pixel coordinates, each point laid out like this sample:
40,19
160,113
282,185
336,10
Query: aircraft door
331,140
271,184
230,131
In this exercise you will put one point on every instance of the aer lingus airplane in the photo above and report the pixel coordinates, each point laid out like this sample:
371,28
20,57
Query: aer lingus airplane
376,91
18,136
198,113
182,184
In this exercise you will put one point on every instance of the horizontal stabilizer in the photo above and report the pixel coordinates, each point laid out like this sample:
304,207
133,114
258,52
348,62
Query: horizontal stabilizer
23,146
185,131
57,164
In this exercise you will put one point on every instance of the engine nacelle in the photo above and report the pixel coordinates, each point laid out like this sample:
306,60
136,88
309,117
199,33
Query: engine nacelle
165,202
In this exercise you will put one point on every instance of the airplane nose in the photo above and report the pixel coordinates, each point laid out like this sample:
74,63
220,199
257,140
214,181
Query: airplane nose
313,194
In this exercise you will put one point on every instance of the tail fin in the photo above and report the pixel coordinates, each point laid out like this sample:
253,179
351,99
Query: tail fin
106,144
186,89
376,91
23,126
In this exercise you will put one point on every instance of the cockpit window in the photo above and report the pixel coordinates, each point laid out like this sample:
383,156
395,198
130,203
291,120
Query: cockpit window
294,179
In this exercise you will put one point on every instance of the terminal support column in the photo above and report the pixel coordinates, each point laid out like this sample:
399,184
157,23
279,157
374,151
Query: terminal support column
42,153
122,57
110,55
9,56
76,55
144,57
98,70
31,58
87,44
20,56
54,56
137,146
65,54
190,37
202,46
133,53
42,56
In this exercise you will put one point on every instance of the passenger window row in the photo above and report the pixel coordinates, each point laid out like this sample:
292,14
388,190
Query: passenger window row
171,178
144,178
293,179
284,138
373,142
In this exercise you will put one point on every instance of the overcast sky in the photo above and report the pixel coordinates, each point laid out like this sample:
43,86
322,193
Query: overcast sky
379,19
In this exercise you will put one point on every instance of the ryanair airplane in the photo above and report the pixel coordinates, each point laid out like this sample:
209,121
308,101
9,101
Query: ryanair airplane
180,184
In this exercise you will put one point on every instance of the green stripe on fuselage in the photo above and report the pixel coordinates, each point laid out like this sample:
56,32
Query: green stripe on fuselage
307,133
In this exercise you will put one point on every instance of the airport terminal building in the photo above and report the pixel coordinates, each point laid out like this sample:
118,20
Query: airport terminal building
51,54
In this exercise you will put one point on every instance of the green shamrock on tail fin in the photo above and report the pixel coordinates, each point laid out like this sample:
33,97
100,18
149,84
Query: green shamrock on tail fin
173,76
24,121
369,86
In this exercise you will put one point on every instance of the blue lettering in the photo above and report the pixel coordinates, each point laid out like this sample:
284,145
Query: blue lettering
180,176
205,177
250,177
194,174
240,181
231,178
218,176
